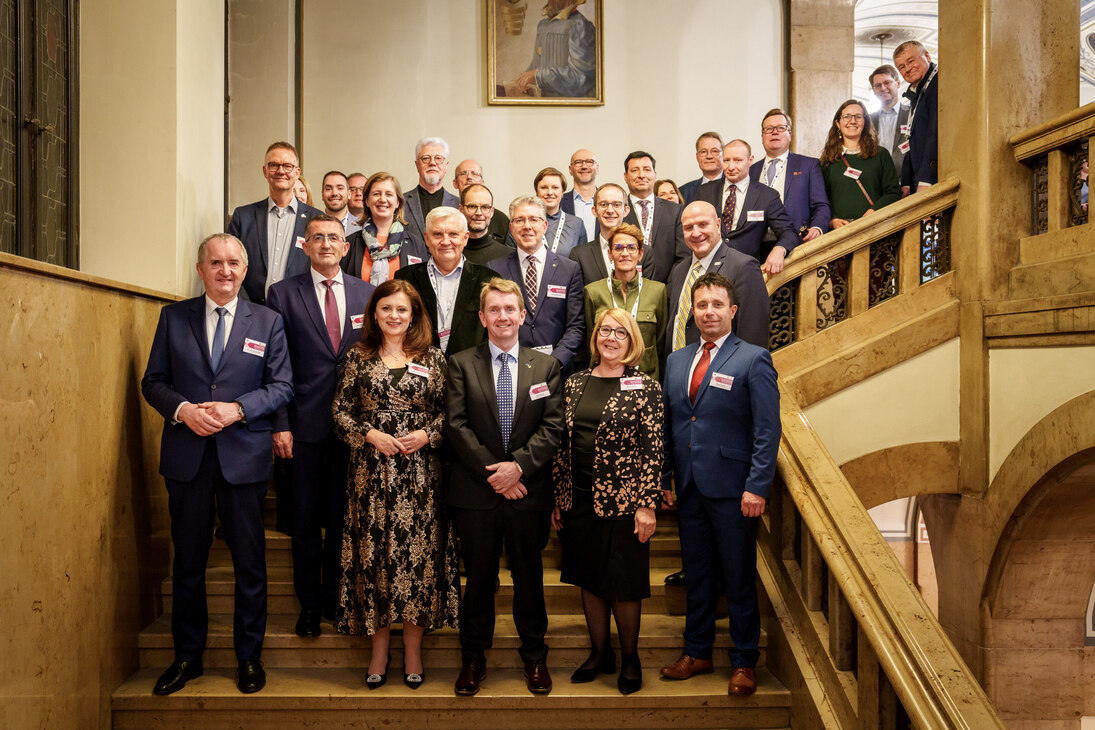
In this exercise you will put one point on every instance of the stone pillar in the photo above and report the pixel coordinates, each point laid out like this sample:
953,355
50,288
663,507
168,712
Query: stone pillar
822,47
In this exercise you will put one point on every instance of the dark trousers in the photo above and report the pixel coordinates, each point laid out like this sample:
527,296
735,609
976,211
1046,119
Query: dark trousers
240,506
483,533
318,472
714,533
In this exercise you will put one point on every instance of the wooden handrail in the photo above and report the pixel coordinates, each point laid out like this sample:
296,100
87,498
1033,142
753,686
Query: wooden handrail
1072,126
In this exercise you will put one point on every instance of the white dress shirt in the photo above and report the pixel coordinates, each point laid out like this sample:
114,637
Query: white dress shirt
780,180
445,286
584,210
339,290
887,127
280,224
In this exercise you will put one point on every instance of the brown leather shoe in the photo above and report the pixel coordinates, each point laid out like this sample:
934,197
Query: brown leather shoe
471,674
537,676
686,667
743,681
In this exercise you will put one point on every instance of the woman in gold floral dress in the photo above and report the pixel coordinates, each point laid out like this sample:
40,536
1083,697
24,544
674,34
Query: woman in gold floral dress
399,562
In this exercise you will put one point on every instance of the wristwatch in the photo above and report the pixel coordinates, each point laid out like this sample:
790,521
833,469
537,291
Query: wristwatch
243,416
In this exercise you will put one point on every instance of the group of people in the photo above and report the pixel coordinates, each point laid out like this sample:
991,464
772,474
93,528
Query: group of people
444,381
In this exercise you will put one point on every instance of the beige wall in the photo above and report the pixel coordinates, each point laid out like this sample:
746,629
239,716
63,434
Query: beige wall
380,75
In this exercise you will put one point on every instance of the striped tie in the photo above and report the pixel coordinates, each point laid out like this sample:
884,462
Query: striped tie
532,288
685,307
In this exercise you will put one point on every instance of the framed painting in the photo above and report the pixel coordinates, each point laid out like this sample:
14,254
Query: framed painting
553,56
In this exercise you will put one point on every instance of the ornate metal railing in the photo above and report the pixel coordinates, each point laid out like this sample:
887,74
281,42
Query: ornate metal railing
862,265
878,657
1057,153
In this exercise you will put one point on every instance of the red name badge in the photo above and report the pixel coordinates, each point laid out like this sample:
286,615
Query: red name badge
538,391
632,383
557,292
254,347
420,370
357,320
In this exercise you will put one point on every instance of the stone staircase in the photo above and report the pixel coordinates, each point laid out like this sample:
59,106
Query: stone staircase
319,682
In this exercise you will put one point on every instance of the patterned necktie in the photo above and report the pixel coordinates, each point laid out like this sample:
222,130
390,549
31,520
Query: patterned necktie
685,306
218,338
728,211
532,288
645,205
773,168
505,398
330,314
700,371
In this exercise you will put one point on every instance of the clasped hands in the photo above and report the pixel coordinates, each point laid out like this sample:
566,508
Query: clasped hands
206,419
506,479
390,445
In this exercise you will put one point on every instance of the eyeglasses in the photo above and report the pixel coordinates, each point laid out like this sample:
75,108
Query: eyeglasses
618,332
709,153
630,247
427,159
583,163
614,204
329,237
851,118
478,208
776,128
467,173
531,220
357,188
283,166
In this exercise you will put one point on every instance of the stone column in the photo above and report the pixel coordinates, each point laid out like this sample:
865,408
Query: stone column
822,47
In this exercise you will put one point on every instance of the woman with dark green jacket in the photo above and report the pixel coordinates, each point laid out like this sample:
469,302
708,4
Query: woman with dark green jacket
859,175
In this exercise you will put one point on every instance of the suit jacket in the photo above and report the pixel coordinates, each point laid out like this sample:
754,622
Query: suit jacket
589,259
627,448
249,224
728,441
416,219
650,315
803,192
688,190
557,322
466,329
476,438
315,363
748,237
919,165
895,150
180,370
567,203
666,244
751,294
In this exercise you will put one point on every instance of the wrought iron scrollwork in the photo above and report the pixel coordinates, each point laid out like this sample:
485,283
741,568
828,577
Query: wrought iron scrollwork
935,246
832,292
1077,184
884,259
1039,196
781,323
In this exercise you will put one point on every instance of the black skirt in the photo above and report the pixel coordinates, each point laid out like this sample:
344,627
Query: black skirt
603,554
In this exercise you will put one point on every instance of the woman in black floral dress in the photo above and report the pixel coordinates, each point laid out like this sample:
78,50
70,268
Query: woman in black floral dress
398,558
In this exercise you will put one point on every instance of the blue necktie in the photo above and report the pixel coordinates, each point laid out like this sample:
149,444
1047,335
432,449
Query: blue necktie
505,398
218,338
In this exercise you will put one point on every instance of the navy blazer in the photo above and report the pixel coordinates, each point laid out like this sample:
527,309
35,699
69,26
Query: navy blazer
919,165
688,190
249,224
748,237
727,443
666,245
751,294
416,219
254,371
316,365
803,192
558,322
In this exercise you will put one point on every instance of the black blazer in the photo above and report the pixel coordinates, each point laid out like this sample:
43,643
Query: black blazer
666,244
473,432
748,237
249,225
467,330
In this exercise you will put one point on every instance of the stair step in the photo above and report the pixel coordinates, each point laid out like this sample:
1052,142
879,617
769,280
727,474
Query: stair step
338,698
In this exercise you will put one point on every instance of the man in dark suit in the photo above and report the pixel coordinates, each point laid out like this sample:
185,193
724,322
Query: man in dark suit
796,178
505,419
610,206
657,218
709,158
217,372
448,283
892,120
722,438
746,211
272,229
578,201
552,285
431,159
921,143
323,310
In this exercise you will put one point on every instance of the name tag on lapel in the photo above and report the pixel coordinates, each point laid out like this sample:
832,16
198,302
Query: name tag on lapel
754,216
543,349
557,292
538,391
725,382
357,320
904,146
300,242
413,260
633,383
254,347
420,370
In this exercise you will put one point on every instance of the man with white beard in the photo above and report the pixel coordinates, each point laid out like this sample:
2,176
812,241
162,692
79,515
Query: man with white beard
431,159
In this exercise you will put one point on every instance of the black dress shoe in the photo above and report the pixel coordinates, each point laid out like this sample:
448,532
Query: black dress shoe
176,676
251,677
630,680
308,622
592,667
675,579
471,674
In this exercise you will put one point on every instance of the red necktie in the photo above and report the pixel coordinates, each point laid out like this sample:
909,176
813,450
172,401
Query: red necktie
330,315
700,371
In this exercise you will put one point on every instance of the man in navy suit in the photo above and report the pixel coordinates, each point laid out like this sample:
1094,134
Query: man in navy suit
722,438
747,210
659,219
796,178
551,285
218,371
921,144
431,159
709,158
323,310
272,229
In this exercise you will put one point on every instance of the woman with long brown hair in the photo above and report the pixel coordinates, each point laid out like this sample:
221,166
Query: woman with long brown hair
859,175
382,245
399,561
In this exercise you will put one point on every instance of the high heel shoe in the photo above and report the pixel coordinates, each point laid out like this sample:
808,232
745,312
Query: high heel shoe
414,680
375,681
606,665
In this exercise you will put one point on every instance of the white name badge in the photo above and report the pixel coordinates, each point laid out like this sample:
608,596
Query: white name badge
725,382
544,349
538,391
557,292
443,335
413,260
905,129
300,242
632,383
357,320
420,370
853,173
904,146
254,347
754,216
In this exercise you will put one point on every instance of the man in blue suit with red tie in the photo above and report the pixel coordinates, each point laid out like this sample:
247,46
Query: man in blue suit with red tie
722,438
552,285
323,310
218,371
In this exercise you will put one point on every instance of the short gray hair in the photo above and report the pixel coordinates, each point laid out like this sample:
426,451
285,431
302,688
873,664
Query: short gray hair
528,200
431,142
443,211
204,245
915,45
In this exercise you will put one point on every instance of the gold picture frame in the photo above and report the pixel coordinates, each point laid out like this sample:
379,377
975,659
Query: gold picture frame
531,58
